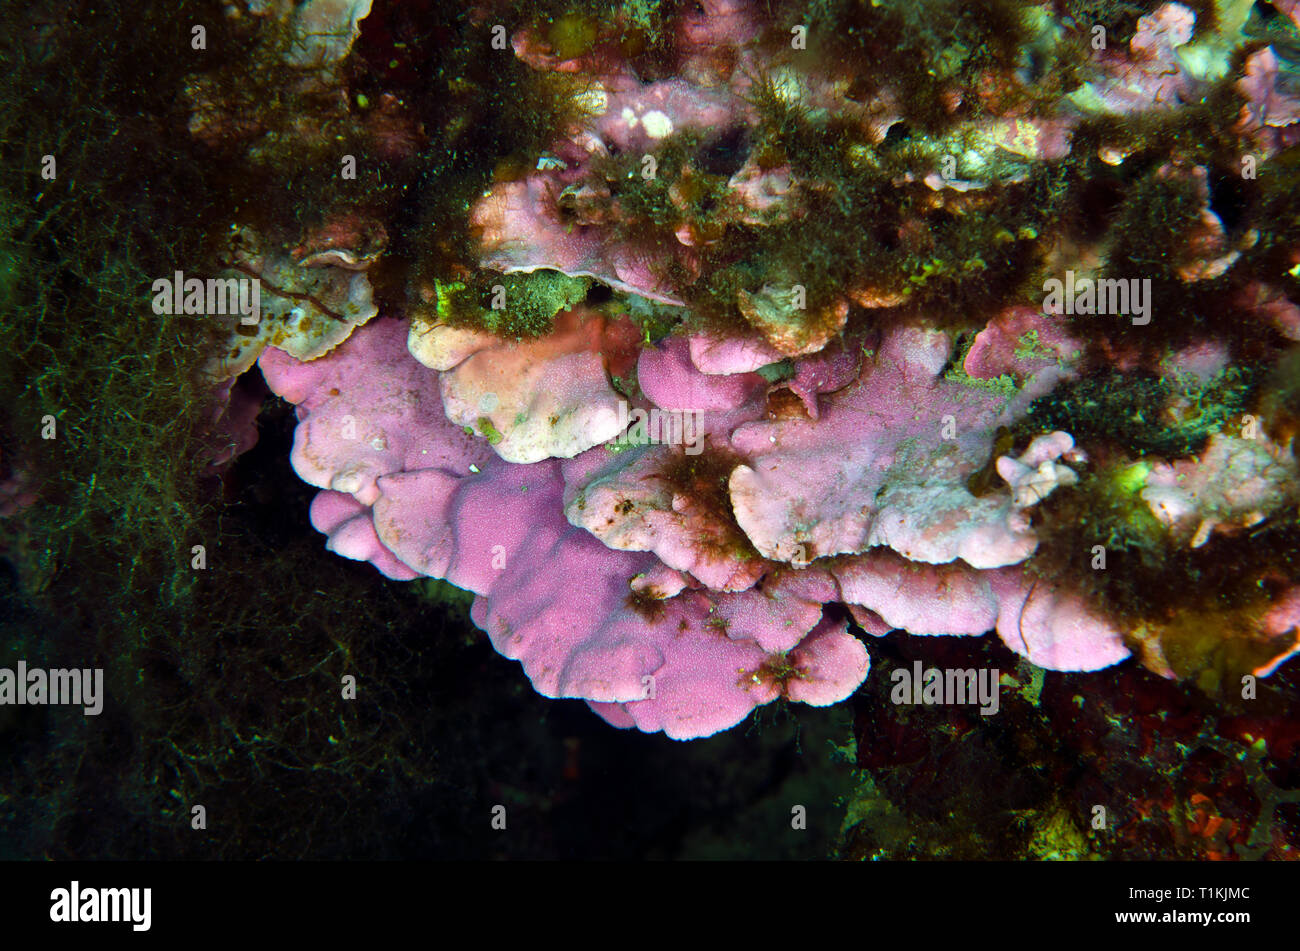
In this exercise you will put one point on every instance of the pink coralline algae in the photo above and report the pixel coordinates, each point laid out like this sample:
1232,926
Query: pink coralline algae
1152,73
1235,484
521,224
885,464
413,493
647,600
645,498
672,497
537,399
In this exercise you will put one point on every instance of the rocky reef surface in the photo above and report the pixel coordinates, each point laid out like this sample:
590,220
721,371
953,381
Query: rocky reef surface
933,360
